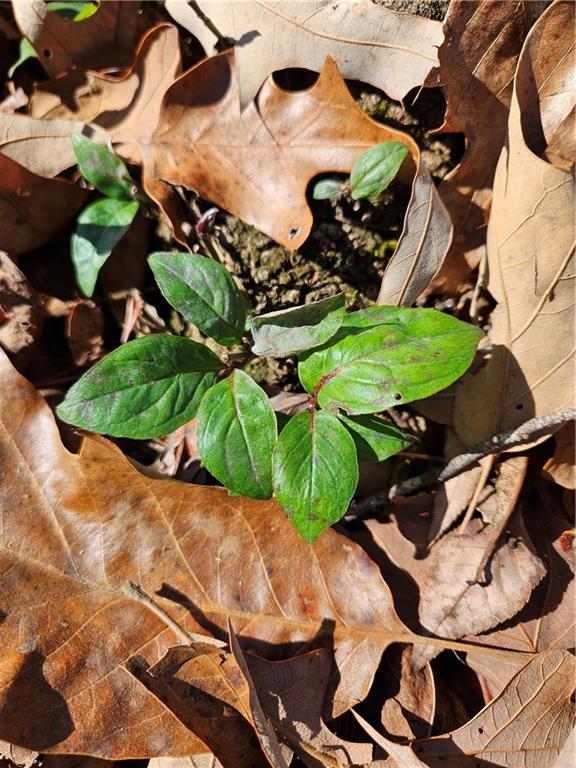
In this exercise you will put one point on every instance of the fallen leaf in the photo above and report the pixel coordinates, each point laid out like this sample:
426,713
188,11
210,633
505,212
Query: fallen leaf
561,467
84,329
525,727
451,499
17,756
33,209
197,761
482,42
403,755
23,314
281,142
98,522
409,696
62,44
393,51
530,256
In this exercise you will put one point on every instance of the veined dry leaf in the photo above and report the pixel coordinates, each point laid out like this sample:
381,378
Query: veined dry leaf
68,627
525,727
61,44
33,209
22,313
280,143
393,51
126,104
530,254
482,42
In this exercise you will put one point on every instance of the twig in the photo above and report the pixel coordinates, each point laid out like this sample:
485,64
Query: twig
526,433
223,41
486,462
184,637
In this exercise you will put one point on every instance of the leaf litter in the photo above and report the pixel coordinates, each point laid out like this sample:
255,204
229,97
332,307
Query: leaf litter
251,647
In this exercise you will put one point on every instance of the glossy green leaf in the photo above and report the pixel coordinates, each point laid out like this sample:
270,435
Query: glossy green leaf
99,227
236,429
204,292
327,189
385,356
376,168
283,333
102,168
146,388
74,10
375,439
315,471
25,52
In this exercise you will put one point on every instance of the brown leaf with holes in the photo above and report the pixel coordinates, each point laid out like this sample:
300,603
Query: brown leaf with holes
33,209
482,42
531,259
98,522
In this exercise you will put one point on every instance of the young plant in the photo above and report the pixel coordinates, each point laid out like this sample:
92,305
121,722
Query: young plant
372,172
102,224
353,365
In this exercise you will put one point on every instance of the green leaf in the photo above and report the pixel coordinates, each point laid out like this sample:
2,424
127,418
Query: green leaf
102,168
279,334
327,189
26,52
74,10
146,388
376,168
204,292
315,471
236,430
99,227
375,439
385,356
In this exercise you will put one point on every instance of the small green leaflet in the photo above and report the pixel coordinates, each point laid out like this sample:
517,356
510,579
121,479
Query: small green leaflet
376,168
203,291
315,471
283,333
74,10
103,169
385,356
327,189
146,388
375,439
236,429
99,227
26,52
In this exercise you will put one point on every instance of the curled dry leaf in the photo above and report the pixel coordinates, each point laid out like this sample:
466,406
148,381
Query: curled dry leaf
393,51
482,42
33,209
530,253
526,726
98,522
561,467
281,142
61,44
22,312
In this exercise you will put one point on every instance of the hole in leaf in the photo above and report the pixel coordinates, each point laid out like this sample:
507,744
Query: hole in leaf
47,53
295,79
397,396
519,407
293,233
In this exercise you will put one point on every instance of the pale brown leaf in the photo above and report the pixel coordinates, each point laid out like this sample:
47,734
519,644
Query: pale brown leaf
21,312
530,257
409,695
393,51
561,467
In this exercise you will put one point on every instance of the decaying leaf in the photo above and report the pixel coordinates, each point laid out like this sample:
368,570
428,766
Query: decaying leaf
393,51
409,696
21,312
220,555
482,42
33,209
526,726
84,329
530,253
561,466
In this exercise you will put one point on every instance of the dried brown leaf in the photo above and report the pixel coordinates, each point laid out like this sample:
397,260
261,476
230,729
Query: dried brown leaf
530,257
22,312
409,696
84,329
393,51
561,467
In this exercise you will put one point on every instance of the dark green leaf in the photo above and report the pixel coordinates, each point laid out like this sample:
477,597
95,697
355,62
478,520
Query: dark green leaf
146,388
236,430
327,189
315,471
204,292
103,169
376,168
385,356
26,52
279,334
74,10
99,227
375,439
